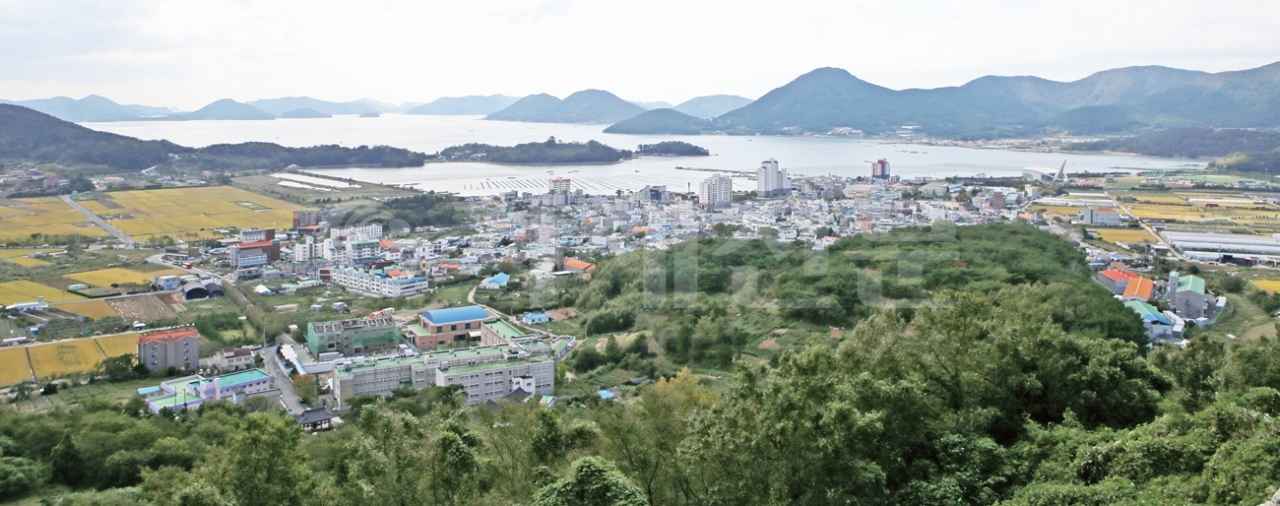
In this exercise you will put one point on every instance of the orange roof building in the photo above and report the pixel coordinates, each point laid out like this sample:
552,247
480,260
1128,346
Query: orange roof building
174,348
1115,280
1139,288
576,265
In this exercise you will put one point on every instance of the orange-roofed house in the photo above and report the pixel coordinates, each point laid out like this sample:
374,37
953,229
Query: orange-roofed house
1115,280
1139,288
172,348
575,265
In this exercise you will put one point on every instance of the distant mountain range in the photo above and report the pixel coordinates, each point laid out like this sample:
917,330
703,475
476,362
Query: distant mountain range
92,108
828,100
304,113
587,106
1114,101
711,106
29,135
468,105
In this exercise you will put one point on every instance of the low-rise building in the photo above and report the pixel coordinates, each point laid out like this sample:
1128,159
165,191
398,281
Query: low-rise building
388,282
354,337
234,359
173,348
192,391
1138,288
1187,295
450,325
499,333
535,318
495,282
1115,280
1157,326
1101,217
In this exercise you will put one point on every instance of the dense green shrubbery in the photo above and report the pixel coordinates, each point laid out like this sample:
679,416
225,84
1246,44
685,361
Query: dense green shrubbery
550,151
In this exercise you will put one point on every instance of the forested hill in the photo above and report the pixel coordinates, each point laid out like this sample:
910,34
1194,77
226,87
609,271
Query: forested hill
551,151
1006,388
28,135
1189,143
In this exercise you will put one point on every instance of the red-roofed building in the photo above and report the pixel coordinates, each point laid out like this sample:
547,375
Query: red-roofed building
1115,280
575,265
1139,288
173,348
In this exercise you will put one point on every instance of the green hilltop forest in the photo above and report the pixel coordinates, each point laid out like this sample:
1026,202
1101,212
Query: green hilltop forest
1015,381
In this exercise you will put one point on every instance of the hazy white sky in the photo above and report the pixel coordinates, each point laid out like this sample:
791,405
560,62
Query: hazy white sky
190,52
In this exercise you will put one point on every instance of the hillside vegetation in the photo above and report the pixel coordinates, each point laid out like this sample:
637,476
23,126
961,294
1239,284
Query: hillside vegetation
1005,390
1190,143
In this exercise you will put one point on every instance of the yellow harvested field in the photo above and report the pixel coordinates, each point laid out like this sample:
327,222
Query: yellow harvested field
116,275
1169,212
12,292
1126,235
196,211
92,308
118,344
14,368
27,261
44,215
22,252
1267,285
64,357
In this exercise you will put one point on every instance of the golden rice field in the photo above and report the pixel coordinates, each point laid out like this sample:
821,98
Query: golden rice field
27,261
116,275
22,252
1267,285
1126,235
64,357
118,344
179,211
12,292
1169,212
14,368
95,308
44,215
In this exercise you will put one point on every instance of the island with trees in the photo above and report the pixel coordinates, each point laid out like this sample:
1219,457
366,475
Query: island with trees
672,148
551,151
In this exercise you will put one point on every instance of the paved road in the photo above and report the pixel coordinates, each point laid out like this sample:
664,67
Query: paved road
128,241
288,396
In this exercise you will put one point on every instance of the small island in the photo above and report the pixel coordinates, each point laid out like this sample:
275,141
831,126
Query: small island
672,148
550,151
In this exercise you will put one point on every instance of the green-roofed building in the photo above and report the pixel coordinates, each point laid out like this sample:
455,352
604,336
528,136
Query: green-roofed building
354,337
500,332
1187,295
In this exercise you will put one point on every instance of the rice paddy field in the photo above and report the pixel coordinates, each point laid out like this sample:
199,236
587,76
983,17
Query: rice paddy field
27,261
92,308
194,212
119,344
12,292
1159,198
14,367
76,356
1267,285
19,218
116,275
1125,235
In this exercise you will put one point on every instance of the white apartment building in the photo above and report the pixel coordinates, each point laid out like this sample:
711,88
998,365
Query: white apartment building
362,251
358,232
770,180
559,185
716,191
306,249
388,283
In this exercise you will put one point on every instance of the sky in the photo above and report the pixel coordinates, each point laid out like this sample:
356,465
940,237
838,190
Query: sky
188,53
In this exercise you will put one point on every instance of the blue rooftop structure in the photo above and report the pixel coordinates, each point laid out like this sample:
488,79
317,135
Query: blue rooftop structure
496,281
605,394
454,315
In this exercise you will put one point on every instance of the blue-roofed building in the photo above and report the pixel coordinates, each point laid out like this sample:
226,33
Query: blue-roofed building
1156,324
450,325
535,318
496,282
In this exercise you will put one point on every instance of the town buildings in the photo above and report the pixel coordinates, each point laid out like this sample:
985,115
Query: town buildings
1187,296
716,191
192,391
354,337
172,348
771,181
386,282
880,169
1100,217
445,326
